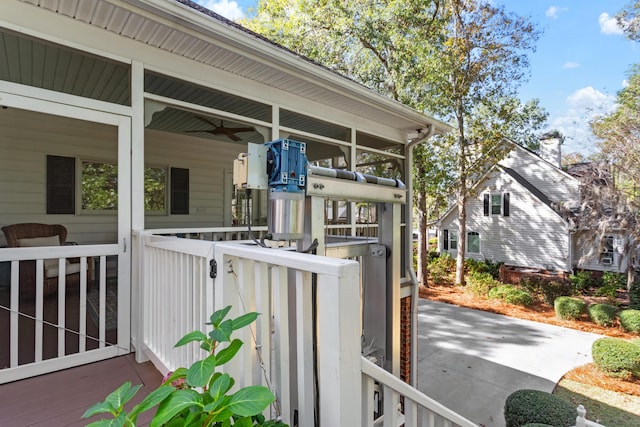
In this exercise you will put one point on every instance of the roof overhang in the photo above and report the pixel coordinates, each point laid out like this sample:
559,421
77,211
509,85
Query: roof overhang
179,27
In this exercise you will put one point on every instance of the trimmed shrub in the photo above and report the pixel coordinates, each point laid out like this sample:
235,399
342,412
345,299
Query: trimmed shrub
616,357
486,266
602,314
568,308
534,406
582,280
537,425
510,294
630,320
608,291
479,284
548,290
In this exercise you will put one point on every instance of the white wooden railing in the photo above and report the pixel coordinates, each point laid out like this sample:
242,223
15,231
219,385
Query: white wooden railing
89,348
317,382
401,403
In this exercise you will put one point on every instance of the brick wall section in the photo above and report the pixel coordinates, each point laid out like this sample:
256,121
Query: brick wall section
405,339
509,274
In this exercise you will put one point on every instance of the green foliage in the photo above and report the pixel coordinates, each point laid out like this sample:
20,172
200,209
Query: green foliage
609,291
512,295
568,308
441,268
548,290
630,320
197,396
616,357
614,280
582,280
538,407
486,266
603,314
634,296
479,284
537,425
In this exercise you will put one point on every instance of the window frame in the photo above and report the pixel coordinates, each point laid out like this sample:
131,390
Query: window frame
493,205
609,250
453,238
469,234
80,161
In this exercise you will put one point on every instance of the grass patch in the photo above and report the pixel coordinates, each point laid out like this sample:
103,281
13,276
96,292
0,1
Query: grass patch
607,407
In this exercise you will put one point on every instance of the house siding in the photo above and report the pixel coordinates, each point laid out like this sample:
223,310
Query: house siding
586,261
531,236
28,137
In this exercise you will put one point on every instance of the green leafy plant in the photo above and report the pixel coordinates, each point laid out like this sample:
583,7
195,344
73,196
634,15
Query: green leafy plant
479,284
614,280
441,268
199,395
538,407
617,357
568,308
582,280
630,320
603,314
512,295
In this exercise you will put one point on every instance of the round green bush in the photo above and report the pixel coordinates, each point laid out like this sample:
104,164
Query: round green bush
511,295
479,284
603,314
537,425
534,406
568,308
616,357
630,320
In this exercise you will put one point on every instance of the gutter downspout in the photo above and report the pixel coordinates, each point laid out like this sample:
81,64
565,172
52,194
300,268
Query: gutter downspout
409,251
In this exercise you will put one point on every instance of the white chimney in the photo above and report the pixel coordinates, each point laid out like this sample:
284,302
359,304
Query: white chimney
550,150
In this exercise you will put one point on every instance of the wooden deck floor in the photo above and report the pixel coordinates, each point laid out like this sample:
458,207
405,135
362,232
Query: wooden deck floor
60,398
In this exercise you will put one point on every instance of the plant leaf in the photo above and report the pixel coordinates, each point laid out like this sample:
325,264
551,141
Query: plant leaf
200,372
250,400
243,422
217,316
244,320
227,353
176,375
220,386
122,395
99,408
223,332
175,404
190,337
154,398
116,422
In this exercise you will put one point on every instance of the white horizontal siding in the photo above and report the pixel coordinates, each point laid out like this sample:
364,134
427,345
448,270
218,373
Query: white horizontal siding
550,180
591,261
26,138
207,161
532,235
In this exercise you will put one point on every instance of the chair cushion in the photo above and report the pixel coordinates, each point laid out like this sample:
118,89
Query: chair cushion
37,242
69,269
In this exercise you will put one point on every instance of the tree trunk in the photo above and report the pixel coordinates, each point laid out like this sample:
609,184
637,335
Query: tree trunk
461,201
423,238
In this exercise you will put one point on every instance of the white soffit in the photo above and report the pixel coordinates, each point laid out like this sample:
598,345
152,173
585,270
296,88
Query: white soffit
225,46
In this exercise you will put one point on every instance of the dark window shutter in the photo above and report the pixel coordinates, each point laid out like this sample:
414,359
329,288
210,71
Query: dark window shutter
505,204
486,205
445,240
180,191
61,185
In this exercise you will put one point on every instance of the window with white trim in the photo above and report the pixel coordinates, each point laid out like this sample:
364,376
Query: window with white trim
607,254
473,242
453,240
496,204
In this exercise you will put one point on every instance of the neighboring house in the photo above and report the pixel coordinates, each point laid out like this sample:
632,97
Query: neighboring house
520,213
121,120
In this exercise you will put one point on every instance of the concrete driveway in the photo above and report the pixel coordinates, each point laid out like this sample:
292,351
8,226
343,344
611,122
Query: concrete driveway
471,360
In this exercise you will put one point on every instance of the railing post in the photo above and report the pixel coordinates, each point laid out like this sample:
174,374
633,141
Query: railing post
339,372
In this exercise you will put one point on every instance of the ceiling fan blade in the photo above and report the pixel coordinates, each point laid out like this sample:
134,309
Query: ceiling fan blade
232,137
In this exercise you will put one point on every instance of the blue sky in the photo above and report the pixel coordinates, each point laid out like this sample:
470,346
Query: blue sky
581,62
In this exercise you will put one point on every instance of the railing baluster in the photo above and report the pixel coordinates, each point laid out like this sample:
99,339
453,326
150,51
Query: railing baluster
391,402
281,339
39,309
368,404
82,320
15,306
103,300
304,342
410,413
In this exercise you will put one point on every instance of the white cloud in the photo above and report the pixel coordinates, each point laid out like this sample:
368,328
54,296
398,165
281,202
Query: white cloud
608,24
625,83
571,64
583,106
227,8
554,11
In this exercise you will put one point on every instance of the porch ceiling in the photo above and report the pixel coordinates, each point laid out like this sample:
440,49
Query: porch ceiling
217,42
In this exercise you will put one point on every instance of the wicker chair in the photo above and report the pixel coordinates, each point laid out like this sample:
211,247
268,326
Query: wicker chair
17,232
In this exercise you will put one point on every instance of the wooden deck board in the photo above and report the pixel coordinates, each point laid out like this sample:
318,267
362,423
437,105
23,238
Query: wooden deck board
60,398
